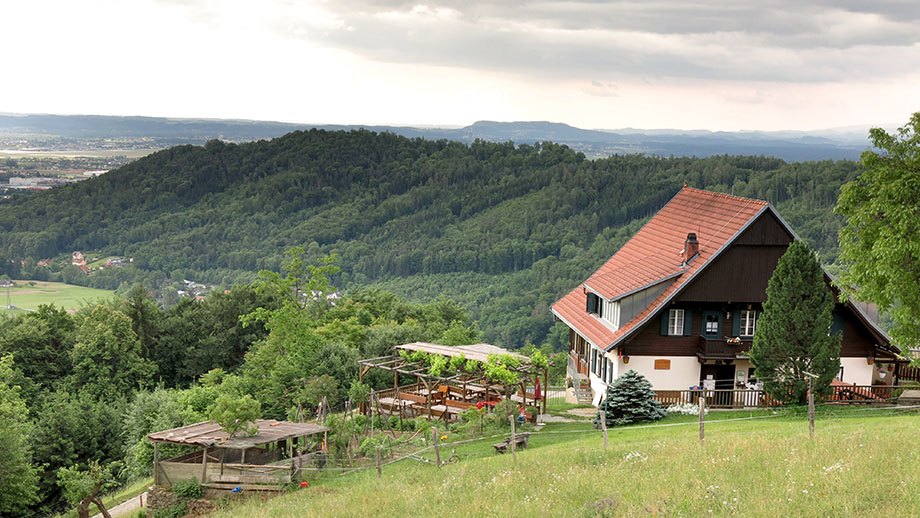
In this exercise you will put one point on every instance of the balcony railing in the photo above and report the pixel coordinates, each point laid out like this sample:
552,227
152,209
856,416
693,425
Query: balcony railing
576,368
723,348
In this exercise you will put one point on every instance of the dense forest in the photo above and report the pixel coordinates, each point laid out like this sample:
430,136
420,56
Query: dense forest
502,229
79,393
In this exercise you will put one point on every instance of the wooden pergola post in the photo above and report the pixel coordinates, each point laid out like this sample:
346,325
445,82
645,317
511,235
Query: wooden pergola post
204,465
156,464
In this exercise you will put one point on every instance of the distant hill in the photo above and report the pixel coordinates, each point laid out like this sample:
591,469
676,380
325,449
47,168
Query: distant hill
166,132
503,229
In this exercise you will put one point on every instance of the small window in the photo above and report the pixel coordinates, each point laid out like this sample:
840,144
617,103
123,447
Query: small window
676,322
712,324
748,322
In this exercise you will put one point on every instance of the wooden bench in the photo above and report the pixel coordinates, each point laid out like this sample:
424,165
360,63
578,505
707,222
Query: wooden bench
520,441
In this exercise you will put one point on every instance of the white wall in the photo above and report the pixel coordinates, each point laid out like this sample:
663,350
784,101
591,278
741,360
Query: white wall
683,374
856,370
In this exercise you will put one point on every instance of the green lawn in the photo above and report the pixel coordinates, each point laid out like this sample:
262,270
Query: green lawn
26,296
862,462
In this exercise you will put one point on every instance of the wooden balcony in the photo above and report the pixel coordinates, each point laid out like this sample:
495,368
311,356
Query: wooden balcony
723,348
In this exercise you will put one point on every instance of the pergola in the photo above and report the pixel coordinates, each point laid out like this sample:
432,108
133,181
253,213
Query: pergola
468,385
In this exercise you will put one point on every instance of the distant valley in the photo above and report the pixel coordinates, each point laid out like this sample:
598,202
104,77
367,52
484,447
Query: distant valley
88,133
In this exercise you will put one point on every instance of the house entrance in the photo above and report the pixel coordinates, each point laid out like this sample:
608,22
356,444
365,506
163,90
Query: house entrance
723,378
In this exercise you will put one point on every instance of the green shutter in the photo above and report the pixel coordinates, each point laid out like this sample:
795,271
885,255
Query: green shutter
736,323
688,322
664,323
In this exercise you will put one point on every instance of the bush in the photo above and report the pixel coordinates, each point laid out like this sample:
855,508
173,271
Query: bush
177,510
188,488
629,400
369,445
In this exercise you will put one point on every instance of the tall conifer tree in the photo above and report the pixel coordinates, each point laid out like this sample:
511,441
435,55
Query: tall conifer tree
793,335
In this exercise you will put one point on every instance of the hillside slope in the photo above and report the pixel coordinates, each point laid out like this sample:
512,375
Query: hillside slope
503,229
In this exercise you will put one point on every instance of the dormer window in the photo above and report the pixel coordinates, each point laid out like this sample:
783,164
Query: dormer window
595,304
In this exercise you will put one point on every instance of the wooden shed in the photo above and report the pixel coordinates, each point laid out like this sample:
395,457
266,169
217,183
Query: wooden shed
267,460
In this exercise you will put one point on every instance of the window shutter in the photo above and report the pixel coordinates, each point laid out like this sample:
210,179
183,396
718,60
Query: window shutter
736,323
593,359
837,324
688,322
664,322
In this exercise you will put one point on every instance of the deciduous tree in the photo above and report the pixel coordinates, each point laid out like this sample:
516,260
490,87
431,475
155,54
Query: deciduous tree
18,479
880,245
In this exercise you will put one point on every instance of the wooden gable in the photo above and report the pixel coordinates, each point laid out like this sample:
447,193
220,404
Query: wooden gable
741,273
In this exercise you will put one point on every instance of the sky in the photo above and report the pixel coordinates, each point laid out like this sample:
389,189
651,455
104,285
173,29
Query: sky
764,65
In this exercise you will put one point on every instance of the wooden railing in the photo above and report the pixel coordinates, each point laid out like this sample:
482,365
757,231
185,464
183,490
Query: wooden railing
722,348
740,398
750,398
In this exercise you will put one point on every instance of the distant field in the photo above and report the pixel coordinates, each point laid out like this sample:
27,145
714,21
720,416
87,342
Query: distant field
24,296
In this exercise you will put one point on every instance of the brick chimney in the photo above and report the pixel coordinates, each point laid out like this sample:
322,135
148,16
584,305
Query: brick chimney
691,247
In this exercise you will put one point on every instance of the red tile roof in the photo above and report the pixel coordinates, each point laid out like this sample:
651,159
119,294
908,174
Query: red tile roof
653,256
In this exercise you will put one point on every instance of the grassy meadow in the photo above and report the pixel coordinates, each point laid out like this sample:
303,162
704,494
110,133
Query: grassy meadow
862,462
28,295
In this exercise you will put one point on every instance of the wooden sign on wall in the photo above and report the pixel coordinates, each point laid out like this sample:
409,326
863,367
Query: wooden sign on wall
663,365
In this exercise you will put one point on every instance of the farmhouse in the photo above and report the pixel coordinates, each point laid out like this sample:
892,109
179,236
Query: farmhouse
679,302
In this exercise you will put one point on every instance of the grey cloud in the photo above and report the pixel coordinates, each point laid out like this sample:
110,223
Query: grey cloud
780,40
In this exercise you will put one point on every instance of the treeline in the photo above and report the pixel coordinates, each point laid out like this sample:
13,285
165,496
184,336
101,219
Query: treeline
80,390
502,229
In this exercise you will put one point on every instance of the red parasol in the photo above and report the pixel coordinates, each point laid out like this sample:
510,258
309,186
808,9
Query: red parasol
536,390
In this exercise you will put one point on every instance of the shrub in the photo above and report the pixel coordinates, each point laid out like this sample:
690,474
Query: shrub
629,400
188,488
177,510
369,445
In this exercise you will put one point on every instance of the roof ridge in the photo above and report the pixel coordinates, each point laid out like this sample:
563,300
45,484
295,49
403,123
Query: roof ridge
723,195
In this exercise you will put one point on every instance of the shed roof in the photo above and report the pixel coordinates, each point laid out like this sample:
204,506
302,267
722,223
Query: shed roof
210,434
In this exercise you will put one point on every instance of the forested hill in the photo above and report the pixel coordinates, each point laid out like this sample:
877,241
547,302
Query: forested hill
502,229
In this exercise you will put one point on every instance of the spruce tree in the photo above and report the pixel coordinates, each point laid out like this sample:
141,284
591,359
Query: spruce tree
793,336
630,399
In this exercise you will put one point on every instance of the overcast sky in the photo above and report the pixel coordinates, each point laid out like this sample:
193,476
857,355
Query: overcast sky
770,64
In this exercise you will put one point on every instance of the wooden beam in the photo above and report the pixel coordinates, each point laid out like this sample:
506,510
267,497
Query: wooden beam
204,465
156,464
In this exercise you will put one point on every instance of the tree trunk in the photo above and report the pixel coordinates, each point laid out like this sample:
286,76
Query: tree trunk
102,509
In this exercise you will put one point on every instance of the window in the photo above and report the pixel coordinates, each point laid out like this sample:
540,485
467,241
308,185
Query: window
748,320
595,304
676,322
712,324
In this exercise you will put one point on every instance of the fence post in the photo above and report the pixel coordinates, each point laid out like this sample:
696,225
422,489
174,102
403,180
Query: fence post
602,415
702,415
372,412
513,441
437,448
379,471
811,410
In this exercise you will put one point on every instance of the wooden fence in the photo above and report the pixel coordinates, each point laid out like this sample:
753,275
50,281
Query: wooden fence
749,398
